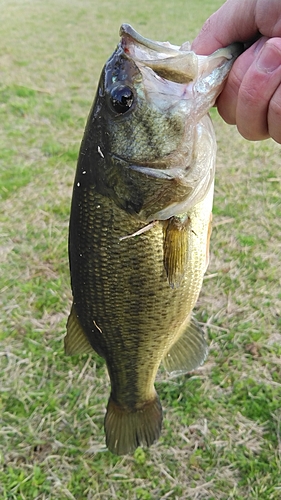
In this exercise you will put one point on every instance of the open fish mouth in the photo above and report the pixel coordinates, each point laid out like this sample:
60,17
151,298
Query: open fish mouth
177,63
175,83
168,87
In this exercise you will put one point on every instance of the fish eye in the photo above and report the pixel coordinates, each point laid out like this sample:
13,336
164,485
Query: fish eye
121,99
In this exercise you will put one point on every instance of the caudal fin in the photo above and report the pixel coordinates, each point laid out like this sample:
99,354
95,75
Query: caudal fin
126,430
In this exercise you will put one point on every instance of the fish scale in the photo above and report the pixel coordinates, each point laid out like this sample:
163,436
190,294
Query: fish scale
110,268
140,225
112,296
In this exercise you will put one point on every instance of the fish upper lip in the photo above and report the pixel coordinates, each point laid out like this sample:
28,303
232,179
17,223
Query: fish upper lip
156,164
118,157
150,169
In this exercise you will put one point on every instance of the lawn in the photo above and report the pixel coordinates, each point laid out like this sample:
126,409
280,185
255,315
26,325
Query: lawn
221,436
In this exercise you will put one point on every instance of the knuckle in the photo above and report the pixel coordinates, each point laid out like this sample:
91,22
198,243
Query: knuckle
275,107
274,116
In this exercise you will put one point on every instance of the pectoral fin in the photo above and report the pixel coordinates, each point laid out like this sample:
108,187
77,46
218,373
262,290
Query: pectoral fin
189,352
175,248
75,341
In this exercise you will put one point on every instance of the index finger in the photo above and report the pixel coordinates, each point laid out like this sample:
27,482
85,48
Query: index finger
235,21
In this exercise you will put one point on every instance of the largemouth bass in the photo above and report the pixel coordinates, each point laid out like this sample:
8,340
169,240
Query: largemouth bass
141,222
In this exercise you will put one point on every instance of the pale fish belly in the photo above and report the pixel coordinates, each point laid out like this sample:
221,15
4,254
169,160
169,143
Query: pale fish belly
197,262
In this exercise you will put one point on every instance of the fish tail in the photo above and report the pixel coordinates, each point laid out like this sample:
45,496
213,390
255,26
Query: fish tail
127,429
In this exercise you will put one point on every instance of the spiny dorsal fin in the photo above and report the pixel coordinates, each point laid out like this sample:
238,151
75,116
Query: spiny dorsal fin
75,341
189,351
175,247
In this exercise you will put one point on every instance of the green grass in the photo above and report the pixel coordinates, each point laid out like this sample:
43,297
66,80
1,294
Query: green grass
221,437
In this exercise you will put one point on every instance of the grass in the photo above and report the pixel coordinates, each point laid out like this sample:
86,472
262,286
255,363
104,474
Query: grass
221,436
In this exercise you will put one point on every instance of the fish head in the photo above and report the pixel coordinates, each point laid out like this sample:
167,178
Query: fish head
154,145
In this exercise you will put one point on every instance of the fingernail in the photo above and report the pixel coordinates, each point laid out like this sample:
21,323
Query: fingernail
269,58
260,43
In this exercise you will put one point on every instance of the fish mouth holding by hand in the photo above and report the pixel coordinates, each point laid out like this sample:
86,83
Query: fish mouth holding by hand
140,224
173,82
176,63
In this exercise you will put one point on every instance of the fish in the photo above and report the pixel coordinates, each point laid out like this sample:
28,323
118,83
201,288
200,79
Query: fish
140,224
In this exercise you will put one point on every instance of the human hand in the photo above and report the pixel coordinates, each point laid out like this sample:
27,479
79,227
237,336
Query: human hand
251,98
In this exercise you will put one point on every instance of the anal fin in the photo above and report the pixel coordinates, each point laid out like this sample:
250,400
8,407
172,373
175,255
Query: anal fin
188,352
75,341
